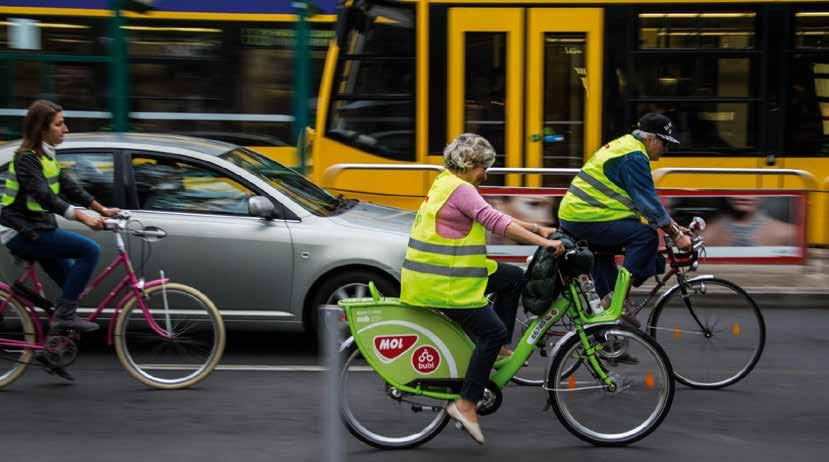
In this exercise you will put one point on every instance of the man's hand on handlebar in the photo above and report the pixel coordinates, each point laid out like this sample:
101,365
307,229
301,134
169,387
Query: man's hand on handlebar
683,242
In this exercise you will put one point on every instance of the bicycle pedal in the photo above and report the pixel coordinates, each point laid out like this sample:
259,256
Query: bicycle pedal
459,426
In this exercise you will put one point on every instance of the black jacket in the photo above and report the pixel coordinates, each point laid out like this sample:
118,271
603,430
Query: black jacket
33,184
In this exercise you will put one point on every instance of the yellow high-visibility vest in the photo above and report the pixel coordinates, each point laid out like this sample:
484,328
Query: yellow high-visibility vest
440,272
51,171
592,196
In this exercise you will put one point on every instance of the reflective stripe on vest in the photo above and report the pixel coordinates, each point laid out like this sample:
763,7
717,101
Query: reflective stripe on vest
592,196
51,171
440,272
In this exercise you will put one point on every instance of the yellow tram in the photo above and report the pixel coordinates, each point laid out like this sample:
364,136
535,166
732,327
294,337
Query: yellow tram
547,81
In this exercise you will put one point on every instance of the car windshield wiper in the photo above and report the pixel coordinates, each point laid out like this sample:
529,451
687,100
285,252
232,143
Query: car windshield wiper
342,203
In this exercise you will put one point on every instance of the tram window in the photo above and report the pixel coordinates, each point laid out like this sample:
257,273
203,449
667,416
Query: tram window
812,29
697,30
726,128
174,40
485,89
808,110
807,132
373,105
228,78
58,34
693,76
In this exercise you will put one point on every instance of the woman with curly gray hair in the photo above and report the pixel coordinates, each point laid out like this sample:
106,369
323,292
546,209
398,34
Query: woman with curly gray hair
446,265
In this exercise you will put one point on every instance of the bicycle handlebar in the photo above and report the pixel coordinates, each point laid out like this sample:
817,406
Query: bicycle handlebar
119,223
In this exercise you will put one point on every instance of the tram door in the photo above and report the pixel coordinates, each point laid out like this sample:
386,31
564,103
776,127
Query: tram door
529,80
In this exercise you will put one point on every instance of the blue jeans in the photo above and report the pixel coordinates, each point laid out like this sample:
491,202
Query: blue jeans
490,327
641,243
67,257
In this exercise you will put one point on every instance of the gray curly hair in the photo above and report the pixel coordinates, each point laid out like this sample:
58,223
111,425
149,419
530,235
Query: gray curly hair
467,151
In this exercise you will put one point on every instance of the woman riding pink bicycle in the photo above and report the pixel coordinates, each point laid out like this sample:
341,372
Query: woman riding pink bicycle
37,189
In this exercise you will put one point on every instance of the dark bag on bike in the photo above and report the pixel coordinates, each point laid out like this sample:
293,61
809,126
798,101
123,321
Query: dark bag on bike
542,283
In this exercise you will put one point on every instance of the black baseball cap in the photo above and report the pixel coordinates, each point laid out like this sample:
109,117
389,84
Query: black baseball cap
658,125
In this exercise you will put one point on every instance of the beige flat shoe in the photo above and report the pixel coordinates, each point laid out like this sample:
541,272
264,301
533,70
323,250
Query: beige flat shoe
472,428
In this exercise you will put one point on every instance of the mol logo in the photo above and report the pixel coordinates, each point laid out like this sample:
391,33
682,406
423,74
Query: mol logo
390,347
425,360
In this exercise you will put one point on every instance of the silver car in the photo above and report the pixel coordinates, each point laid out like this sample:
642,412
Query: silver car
263,242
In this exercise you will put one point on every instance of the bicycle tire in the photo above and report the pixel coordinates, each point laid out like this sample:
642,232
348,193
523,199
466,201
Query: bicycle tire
15,324
363,428
653,374
191,313
746,322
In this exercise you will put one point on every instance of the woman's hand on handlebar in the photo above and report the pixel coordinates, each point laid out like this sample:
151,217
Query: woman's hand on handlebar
555,246
110,212
545,231
94,223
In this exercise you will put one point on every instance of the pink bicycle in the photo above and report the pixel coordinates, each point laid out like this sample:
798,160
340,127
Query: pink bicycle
166,335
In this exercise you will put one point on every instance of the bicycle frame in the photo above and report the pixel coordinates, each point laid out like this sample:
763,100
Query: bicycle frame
569,305
676,262
130,282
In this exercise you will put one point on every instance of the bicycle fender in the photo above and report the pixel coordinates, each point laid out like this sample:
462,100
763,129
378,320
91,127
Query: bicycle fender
123,301
346,344
674,288
405,344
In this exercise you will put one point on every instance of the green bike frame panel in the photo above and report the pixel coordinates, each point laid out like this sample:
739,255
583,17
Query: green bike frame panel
406,344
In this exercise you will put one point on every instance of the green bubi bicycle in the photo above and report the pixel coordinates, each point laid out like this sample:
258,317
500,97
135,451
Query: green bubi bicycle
404,364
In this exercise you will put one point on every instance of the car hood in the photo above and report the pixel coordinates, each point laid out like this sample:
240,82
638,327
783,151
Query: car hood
377,217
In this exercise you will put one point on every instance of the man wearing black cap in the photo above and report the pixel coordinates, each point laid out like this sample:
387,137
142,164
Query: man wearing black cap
610,196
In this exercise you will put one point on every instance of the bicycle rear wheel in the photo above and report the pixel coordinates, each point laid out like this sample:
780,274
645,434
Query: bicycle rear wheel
15,325
382,416
716,339
181,359
594,413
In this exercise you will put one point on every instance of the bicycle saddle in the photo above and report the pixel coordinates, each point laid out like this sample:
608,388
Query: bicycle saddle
606,250
594,248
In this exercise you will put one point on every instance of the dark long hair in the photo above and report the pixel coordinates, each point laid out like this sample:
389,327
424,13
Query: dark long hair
38,119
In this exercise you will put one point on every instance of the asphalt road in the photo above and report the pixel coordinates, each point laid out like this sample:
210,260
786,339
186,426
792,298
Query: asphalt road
780,412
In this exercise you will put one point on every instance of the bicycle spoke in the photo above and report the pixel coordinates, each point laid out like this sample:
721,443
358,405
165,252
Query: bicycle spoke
186,353
735,333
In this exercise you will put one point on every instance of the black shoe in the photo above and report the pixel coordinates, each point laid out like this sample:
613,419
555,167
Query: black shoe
630,320
624,358
627,314
65,317
627,359
52,370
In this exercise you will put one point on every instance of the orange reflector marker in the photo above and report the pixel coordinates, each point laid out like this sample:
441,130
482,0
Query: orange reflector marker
571,382
677,334
649,381
735,329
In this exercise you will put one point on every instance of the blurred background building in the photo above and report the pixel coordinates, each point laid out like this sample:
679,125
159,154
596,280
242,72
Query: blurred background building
214,68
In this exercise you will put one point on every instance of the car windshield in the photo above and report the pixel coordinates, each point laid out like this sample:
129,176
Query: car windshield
305,193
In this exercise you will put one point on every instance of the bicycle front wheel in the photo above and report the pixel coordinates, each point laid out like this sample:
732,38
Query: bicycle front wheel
182,343
642,392
15,326
715,339
382,416
532,374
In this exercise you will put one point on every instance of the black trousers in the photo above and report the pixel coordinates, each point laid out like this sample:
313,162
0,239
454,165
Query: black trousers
489,327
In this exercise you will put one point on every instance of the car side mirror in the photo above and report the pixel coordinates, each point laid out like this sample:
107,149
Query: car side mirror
261,207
